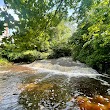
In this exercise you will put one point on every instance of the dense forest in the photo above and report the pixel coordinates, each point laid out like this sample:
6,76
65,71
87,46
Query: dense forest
44,31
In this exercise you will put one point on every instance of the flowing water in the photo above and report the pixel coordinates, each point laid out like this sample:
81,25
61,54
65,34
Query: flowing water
50,85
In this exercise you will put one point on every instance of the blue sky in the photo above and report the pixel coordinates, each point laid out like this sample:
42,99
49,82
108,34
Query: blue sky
9,11
15,16
1,2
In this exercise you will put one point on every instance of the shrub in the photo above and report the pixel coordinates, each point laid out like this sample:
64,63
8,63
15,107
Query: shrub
60,49
25,56
4,62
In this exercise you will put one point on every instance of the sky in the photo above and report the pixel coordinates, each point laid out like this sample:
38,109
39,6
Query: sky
1,2
9,11
16,16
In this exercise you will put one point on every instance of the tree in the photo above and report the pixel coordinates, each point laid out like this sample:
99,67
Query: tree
5,17
92,39
36,19
59,40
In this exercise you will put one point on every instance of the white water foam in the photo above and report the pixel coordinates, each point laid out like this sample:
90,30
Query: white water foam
64,66
76,73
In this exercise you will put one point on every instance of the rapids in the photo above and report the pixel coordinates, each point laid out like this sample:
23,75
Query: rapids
51,84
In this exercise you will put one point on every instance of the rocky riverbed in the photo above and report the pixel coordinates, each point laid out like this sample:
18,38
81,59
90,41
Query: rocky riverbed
50,85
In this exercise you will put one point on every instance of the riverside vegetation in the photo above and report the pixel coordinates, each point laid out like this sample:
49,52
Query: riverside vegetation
43,31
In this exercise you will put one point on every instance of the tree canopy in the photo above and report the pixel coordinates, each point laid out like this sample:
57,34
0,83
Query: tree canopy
41,27
92,39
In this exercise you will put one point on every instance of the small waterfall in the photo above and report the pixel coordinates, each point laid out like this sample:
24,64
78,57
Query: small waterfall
64,66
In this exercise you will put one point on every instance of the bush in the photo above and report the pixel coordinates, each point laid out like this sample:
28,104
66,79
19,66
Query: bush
4,62
60,49
24,56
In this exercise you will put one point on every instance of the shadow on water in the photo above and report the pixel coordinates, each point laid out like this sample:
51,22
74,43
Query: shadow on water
87,86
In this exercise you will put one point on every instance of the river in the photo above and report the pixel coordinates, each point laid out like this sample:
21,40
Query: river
50,85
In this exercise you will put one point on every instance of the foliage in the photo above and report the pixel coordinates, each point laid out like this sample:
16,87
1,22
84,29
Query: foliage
5,17
92,39
41,29
59,40
16,49
24,56
4,62
33,28
37,27
60,49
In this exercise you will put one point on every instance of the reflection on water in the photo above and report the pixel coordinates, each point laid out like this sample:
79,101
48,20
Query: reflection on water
88,86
